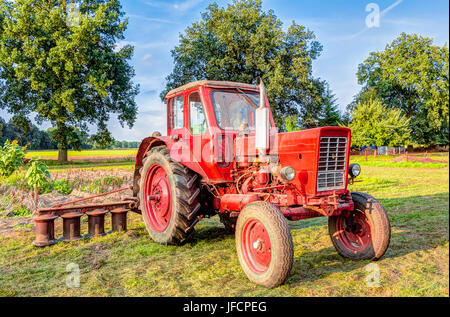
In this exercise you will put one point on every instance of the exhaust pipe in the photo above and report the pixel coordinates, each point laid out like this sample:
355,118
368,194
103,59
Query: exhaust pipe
262,122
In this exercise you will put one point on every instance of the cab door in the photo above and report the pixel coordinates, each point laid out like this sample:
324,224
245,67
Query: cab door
197,127
177,129
176,116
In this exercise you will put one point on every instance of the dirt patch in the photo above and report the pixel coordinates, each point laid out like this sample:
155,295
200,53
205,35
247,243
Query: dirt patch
99,257
407,158
7,225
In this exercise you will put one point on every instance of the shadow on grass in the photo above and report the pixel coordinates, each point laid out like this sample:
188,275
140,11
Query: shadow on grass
312,266
210,234
412,232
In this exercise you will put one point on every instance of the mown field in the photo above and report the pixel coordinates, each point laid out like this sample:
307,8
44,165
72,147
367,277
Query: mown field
84,153
88,159
416,264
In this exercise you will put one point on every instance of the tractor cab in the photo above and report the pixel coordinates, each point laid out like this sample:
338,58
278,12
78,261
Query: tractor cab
205,118
216,106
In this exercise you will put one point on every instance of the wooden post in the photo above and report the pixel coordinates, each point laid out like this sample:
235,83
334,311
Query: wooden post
365,153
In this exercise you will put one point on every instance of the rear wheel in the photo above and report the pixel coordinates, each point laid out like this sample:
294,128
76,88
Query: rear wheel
264,244
168,194
364,233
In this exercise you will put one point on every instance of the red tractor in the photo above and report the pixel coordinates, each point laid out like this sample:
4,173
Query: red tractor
223,156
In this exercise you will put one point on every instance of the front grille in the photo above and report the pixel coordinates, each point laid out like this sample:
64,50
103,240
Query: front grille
332,161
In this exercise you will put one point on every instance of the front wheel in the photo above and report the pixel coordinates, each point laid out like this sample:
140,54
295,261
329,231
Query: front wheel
364,233
264,244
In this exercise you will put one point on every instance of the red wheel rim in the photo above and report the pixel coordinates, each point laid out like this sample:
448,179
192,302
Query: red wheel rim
354,237
256,247
157,198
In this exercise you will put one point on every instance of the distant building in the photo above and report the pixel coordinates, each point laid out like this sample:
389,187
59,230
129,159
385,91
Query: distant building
368,149
389,150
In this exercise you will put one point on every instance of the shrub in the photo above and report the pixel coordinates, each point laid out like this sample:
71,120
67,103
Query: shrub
375,124
36,177
62,186
11,158
102,184
21,212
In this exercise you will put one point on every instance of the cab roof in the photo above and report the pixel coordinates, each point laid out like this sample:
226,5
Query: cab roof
212,84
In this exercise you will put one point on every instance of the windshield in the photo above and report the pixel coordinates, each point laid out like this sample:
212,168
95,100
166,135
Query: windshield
232,109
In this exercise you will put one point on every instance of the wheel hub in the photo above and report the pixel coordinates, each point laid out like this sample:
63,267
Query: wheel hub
157,198
256,246
353,230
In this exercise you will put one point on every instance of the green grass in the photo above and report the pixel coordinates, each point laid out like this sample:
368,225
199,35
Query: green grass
416,264
87,153
386,161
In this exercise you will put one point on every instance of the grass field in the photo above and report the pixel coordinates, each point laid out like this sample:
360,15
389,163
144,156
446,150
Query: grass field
416,264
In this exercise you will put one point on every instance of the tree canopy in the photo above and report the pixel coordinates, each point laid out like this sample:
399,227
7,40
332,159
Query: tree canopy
331,115
375,124
242,42
411,74
59,60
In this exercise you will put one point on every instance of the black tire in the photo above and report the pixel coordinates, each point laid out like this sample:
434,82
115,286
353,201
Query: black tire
184,192
378,237
228,222
281,245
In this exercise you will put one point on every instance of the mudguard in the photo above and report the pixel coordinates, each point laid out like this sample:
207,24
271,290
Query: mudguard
146,145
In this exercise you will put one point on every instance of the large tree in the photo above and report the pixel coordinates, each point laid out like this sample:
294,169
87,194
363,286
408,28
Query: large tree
59,60
411,74
242,42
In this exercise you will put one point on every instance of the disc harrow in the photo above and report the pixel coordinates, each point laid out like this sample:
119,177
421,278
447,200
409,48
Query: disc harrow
71,214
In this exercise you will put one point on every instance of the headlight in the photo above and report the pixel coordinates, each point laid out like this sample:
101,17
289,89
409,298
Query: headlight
288,173
354,170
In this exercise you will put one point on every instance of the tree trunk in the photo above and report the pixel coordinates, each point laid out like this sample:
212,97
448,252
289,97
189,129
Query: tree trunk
62,156
36,198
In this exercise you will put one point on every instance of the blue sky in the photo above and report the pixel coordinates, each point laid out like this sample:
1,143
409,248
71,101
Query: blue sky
340,26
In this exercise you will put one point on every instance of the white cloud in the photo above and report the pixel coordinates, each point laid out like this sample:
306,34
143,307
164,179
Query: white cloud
181,6
364,30
157,20
151,118
119,45
406,22
146,57
385,11
187,5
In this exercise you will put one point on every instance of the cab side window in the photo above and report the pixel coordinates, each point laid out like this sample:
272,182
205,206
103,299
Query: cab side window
177,112
196,114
